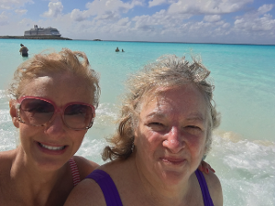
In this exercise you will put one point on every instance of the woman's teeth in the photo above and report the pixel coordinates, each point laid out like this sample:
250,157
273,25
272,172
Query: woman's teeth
51,147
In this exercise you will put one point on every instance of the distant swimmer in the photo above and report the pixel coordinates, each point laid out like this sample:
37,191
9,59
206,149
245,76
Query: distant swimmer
117,49
24,51
122,50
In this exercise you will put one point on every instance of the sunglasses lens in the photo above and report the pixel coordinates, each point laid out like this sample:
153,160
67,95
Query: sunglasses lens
78,116
35,111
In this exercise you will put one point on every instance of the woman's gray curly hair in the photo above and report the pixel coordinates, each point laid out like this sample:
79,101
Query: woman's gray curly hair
167,71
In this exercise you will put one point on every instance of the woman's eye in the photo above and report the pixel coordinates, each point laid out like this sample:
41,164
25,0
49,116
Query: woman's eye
156,125
193,129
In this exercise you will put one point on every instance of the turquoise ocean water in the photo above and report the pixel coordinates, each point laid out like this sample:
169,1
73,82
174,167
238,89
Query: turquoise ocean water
243,150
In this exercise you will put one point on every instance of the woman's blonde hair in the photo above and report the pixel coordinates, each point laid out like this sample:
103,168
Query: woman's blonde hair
168,71
44,64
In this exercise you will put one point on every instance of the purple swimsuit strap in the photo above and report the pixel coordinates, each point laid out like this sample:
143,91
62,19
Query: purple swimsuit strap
204,189
107,186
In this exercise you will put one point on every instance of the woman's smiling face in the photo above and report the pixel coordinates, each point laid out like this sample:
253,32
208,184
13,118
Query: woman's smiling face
50,146
171,134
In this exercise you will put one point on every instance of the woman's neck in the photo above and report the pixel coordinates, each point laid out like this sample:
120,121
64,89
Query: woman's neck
32,183
158,190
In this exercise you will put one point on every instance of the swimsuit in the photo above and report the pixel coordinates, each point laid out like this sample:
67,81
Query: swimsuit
111,194
75,172
107,186
204,189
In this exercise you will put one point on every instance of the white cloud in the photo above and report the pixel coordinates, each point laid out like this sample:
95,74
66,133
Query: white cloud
124,22
13,4
256,22
14,28
167,27
3,18
109,10
21,11
156,2
259,24
160,2
212,18
78,15
55,9
226,25
106,9
208,6
265,8
160,18
105,22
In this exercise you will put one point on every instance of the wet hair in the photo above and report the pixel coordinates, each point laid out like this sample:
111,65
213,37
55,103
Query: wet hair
46,64
21,44
167,72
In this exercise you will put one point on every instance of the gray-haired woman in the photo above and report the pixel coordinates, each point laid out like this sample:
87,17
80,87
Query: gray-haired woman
164,132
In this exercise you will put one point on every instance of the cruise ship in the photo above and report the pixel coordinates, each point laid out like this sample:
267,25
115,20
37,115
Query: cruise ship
35,31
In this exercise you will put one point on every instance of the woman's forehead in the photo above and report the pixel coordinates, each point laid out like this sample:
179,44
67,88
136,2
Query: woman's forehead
175,98
54,78
58,85
162,92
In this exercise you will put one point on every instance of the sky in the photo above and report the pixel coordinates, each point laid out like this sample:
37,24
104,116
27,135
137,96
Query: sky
194,21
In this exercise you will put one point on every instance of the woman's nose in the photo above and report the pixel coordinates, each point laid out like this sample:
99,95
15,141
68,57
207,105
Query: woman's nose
174,141
56,126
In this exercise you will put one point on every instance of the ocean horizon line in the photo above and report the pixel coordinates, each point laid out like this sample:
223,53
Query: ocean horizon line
109,40
171,42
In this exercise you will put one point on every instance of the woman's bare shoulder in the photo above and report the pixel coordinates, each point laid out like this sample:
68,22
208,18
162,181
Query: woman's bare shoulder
86,193
7,157
8,154
215,188
6,162
85,166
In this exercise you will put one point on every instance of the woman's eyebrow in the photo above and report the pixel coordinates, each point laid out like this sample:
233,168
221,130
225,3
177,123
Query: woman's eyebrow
155,114
196,117
193,117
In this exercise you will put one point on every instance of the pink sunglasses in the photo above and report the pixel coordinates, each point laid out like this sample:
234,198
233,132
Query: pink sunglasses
37,111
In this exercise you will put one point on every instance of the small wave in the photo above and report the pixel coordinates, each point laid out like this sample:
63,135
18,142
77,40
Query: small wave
3,94
106,114
243,167
234,137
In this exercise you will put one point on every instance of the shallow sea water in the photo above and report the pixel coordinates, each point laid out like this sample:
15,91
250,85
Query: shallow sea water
243,149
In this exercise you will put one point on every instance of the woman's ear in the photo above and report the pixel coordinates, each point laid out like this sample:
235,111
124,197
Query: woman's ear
13,113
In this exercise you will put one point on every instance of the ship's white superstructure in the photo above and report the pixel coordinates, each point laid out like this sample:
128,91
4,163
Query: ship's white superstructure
38,31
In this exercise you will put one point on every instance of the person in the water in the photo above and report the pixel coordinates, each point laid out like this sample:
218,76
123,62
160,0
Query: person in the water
24,51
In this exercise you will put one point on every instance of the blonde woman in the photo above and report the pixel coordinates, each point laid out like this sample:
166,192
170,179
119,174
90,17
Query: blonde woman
53,103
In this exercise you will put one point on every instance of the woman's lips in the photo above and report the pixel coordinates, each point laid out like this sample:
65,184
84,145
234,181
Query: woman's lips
173,161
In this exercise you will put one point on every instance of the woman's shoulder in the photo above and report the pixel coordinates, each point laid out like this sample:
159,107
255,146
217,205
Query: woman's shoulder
87,192
6,161
214,187
7,157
